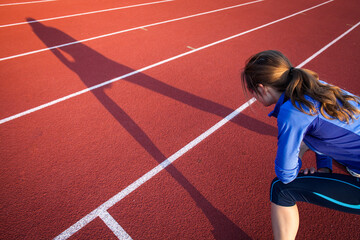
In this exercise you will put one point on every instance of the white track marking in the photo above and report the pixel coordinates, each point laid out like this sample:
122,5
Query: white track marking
123,31
21,3
132,187
328,45
114,226
4,120
86,13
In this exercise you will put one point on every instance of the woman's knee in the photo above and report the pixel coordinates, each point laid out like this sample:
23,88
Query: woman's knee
280,194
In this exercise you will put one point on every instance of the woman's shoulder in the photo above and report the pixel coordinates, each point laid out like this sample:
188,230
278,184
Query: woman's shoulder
289,113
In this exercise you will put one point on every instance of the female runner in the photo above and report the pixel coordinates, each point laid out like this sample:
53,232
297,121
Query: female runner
311,114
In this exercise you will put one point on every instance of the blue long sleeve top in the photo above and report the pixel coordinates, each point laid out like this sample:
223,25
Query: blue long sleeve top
333,138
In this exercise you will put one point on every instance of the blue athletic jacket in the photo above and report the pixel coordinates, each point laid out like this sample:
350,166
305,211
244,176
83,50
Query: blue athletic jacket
332,138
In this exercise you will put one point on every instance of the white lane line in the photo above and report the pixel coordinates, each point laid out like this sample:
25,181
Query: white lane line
85,13
126,30
132,187
328,45
4,120
114,226
21,3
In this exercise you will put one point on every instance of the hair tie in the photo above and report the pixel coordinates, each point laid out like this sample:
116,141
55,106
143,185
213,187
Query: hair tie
289,76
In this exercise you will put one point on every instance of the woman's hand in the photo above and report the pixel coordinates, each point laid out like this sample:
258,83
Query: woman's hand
312,170
308,170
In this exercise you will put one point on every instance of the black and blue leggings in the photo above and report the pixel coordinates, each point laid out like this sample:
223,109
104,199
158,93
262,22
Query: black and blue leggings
335,191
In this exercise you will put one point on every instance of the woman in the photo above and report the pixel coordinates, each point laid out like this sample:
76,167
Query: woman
310,114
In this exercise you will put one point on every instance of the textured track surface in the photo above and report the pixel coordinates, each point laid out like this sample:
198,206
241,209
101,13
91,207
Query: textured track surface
66,166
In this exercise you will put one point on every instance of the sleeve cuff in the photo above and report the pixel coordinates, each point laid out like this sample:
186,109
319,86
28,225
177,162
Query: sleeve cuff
323,161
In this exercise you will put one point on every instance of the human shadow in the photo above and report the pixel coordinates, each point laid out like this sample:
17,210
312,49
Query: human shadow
93,68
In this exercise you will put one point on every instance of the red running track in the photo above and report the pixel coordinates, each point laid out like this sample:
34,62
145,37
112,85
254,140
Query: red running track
62,162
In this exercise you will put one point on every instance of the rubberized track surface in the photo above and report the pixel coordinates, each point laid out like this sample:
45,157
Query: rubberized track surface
81,160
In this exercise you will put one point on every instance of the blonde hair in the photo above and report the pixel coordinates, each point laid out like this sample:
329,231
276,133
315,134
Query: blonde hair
272,68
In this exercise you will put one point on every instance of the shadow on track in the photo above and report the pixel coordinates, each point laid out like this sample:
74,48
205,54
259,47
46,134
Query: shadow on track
93,68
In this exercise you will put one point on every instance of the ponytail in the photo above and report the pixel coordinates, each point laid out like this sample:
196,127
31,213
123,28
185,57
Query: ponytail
272,68
334,103
300,82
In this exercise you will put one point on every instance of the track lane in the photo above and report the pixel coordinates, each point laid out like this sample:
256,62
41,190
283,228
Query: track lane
16,3
17,13
82,13
100,24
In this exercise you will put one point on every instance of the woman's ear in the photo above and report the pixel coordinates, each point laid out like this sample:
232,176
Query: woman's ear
261,89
